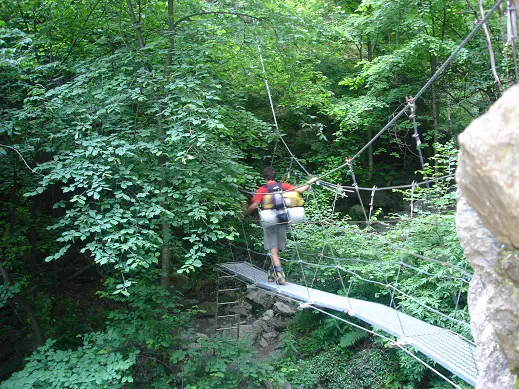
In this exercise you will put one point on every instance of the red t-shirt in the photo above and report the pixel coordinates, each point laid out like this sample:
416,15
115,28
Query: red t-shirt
262,191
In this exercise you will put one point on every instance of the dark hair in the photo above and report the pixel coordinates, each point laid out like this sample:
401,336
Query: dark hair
269,173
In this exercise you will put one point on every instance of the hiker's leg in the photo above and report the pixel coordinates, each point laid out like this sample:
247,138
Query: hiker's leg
275,241
274,255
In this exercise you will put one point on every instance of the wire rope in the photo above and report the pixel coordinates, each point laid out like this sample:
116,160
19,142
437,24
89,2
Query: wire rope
374,263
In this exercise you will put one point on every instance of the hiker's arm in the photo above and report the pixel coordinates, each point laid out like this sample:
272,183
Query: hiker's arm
307,185
252,208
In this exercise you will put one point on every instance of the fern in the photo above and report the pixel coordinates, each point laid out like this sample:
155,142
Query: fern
350,338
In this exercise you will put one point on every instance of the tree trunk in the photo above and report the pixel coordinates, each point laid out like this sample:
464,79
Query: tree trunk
370,130
449,119
165,254
512,27
171,36
34,247
361,55
489,44
14,202
502,22
490,51
38,332
136,24
32,238
435,111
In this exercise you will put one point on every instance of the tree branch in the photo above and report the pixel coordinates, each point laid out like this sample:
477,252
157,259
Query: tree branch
490,50
21,156
171,36
23,17
136,24
76,273
489,43
242,16
79,36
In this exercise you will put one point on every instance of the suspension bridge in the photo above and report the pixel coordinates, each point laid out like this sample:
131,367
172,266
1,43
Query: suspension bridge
447,348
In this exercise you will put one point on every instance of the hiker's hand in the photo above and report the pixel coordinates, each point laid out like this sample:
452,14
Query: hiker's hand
312,180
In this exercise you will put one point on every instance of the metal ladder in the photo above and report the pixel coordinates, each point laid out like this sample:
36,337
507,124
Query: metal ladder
228,295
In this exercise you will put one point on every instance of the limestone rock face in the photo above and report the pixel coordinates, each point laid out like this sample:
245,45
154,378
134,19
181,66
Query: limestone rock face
493,310
488,170
487,222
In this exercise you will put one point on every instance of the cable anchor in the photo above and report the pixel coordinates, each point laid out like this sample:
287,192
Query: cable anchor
399,343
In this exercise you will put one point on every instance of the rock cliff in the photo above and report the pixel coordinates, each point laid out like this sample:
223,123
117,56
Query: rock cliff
488,228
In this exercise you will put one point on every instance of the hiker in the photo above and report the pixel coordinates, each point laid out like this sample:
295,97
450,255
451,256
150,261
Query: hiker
275,236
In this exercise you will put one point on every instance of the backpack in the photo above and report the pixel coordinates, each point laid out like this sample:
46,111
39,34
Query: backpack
278,202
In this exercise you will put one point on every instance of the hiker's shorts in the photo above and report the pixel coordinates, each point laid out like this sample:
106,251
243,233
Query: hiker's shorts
275,237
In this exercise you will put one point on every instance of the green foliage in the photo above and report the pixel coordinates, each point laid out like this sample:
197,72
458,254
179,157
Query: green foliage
151,317
352,337
116,175
300,375
220,363
411,370
97,363
7,291
368,369
290,349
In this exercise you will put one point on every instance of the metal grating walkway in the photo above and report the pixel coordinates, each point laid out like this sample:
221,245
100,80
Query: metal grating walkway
442,346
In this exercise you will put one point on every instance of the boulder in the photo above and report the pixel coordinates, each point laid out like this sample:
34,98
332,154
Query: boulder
388,201
188,303
269,336
283,309
243,308
180,282
356,213
262,342
261,326
260,298
194,345
249,332
488,172
279,323
280,343
268,315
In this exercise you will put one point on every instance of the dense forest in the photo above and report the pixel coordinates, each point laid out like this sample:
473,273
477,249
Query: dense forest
131,133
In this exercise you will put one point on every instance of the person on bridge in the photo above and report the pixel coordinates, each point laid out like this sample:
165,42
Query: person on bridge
275,236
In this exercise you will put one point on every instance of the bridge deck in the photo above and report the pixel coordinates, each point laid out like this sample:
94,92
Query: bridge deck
442,346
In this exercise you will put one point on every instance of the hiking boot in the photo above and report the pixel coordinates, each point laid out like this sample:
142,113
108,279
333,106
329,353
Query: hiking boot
279,275
271,274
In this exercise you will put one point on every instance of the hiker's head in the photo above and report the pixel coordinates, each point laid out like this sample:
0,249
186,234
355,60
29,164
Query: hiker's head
269,173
